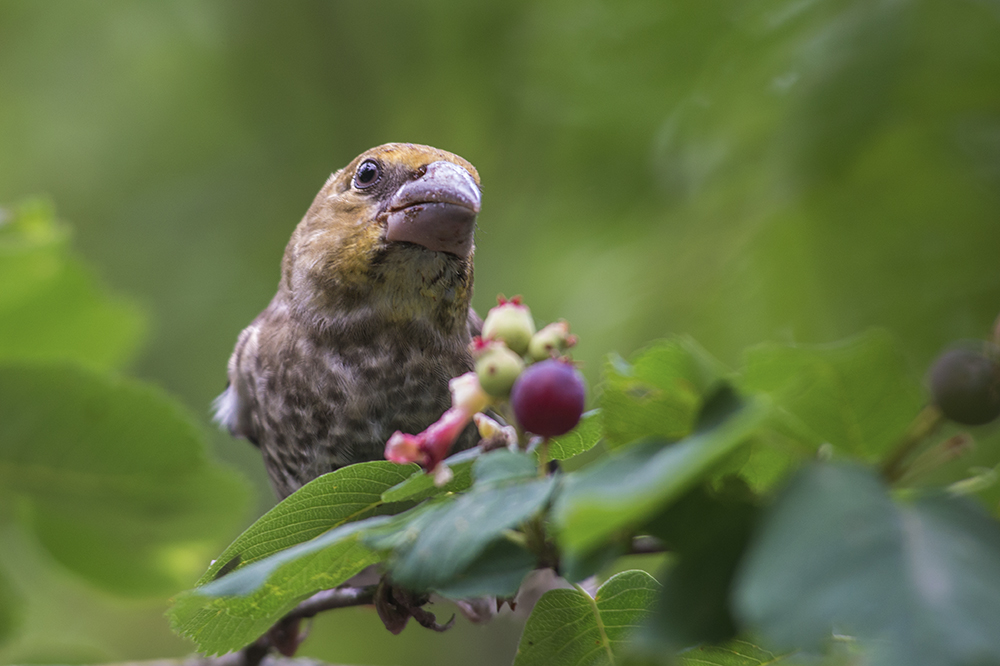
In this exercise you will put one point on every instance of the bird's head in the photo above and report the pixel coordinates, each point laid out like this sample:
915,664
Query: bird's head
391,236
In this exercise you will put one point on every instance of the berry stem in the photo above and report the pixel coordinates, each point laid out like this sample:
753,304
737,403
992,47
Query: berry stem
940,454
543,458
926,422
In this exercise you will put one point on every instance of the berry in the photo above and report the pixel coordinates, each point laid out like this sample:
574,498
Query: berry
467,393
497,368
511,322
548,398
966,386
550,341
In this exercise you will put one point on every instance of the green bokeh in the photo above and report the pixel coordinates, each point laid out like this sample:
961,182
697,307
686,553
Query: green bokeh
737,171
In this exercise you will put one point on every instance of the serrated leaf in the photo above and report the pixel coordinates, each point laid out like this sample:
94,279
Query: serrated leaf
917,583
658,394
858,395
431,545
569,628
621,492
583,437
348,494
420,485
51,306
112,476
234,610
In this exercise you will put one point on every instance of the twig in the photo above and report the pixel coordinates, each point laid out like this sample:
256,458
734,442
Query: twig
926,422
285,635
231,659
340,597
647,545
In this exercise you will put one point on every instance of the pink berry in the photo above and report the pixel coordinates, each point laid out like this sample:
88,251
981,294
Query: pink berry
548,398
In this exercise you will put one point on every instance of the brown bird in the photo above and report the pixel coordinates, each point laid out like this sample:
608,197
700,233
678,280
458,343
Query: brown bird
371,319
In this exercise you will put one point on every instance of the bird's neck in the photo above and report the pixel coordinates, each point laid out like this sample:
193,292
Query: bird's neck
426,297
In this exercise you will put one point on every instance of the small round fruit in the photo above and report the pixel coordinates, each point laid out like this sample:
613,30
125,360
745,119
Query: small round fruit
548,398
966,386
497,369
551,341
511,322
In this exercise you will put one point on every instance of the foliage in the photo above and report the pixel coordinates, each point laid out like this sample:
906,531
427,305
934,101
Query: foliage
109,475
740,171
910,578
51,303
571,627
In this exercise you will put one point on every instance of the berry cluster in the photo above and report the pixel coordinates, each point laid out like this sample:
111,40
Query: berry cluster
513,362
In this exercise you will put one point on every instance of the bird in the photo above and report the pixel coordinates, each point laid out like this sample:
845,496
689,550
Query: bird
371,318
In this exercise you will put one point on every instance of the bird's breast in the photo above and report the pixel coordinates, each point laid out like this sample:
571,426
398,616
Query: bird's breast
332,398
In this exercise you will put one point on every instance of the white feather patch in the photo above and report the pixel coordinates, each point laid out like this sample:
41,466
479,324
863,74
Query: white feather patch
226,410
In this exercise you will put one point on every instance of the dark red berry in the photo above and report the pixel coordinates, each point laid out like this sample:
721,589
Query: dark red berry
548,398
966,386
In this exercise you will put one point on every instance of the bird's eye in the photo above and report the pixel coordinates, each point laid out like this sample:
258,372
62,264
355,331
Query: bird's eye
367,174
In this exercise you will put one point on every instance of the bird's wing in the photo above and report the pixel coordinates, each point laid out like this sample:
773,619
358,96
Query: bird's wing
232,408
475,324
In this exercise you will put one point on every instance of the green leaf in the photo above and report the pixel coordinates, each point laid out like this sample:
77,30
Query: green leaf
858,395
348,494
736,652
708,531
569,628
621,492
583,437
504,466
112,477
431,545
658,394
498,571
765,459
234,610
918,583
420,485
50,304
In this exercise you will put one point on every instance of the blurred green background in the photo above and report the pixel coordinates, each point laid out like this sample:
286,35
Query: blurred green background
738,170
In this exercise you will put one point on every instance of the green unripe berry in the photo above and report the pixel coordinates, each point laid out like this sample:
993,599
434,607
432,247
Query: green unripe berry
551,341
497,369
511,322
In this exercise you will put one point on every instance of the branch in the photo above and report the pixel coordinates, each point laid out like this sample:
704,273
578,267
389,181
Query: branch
926,422
341,597
285,636
647,545
231,659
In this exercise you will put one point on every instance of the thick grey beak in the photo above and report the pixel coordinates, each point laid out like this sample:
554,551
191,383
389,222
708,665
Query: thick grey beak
437,210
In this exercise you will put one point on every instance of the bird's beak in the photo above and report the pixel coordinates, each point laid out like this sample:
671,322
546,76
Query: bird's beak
437,210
